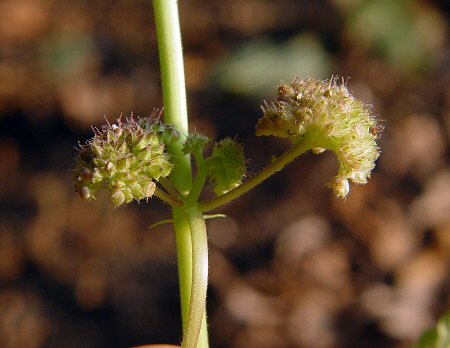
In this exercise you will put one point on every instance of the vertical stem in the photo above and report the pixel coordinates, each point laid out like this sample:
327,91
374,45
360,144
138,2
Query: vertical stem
197,315
173,86
175,112
184,257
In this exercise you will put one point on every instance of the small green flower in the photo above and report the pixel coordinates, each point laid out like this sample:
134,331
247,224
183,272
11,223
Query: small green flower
194,143
226,165
167,133
327,116
123,157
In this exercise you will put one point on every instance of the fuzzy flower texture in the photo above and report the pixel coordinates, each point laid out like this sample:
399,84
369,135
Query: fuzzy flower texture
326,116
125,157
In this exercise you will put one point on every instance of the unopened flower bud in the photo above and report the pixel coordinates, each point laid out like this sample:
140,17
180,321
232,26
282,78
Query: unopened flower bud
340,186
117,198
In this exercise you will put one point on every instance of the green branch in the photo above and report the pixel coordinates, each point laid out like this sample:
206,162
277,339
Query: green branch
167,198
200,178
271,169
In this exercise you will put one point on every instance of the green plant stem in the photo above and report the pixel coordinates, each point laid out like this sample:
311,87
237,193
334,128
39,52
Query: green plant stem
173,87
192,249
175,112
197,315
271,169
200,178
167,198
167,185
184,256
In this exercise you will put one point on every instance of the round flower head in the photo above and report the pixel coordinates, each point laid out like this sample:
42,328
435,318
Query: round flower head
226,166
123,157
326,116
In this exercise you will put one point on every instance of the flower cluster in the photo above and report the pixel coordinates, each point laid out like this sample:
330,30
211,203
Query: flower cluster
123,157
166,133
195,143
327,116
226,165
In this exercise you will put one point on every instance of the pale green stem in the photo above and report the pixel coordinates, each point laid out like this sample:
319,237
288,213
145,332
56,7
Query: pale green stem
167,185
184,256
197,315
175,112
200,178
193,274
173,86
271,169
167,198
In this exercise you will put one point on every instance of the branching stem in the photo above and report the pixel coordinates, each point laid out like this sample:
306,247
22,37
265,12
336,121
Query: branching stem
199,279
167,198
190,229
200,178
271,169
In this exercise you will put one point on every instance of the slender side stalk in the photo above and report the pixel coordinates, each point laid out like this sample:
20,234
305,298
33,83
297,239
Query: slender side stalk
167,185
200,178
167,198
271,169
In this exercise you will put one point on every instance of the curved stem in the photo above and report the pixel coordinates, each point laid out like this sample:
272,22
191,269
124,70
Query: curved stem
200,178
197,315
271,169
167,185
167,198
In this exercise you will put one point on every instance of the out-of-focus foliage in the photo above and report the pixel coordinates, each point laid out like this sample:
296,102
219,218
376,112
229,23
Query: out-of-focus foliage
256,68
407,34
438,337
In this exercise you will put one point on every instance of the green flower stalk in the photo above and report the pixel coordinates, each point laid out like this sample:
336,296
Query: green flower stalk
125,158
325,115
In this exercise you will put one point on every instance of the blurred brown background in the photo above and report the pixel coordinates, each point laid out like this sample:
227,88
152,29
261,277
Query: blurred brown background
291,266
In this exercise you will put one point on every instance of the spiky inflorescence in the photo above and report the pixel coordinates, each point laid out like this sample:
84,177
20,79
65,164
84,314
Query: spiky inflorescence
194,143
325,114
226,165
123,157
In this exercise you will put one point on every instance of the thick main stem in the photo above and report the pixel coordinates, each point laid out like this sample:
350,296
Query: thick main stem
184,257
175,112
173,86
197,315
